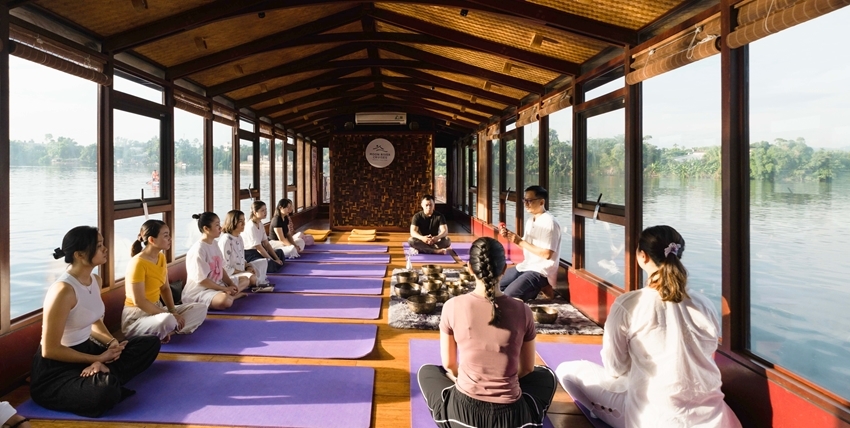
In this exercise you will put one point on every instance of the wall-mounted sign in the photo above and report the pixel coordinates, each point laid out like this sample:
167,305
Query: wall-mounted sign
380,153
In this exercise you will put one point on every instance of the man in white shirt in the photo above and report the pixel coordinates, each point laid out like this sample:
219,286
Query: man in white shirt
540,248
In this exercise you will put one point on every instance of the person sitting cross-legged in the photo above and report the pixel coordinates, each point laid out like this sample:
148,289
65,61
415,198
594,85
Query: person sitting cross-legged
428,231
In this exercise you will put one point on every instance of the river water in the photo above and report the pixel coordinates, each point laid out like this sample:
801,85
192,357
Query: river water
799,251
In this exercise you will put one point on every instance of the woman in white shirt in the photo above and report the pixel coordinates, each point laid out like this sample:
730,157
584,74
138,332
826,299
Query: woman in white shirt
233,249
257,244
206,280
657,351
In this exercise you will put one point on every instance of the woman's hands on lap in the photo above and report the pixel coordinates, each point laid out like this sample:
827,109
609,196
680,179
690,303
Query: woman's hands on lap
95,368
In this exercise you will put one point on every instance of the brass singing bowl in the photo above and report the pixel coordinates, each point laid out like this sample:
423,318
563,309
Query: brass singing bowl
430,285
422,303
455,288
407,277
405,290
430,269
545,315
441,295
466,276
436,277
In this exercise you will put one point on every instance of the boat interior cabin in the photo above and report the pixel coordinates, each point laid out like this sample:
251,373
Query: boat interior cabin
724,119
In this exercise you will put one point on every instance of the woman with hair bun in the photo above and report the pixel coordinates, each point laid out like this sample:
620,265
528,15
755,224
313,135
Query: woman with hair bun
207,281
495,382
80,367
146,282
657,367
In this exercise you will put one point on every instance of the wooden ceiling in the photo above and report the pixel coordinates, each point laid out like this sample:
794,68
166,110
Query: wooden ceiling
302,62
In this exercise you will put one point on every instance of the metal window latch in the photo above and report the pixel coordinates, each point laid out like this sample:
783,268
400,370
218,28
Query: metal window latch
596,210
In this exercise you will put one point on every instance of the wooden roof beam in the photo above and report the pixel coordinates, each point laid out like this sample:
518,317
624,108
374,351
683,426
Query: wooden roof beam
464,68
434,95
342,91
564,21
275,41
381,104
433,80
333,77
479,44
461,115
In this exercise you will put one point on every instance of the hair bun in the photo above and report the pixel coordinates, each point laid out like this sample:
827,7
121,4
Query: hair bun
196,216
58,253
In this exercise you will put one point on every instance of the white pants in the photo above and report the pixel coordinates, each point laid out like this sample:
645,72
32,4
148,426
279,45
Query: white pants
290,251
588,384
136,322
260,266
6,411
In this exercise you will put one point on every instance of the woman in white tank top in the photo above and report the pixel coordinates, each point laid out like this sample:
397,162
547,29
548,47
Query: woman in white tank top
80,366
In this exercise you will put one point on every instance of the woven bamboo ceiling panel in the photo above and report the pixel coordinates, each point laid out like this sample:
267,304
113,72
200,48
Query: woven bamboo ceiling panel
110,17
288,97
392,55
465,96
490,62
632,14
356,55
226,34
304,107
497,29
273,84
479,83
256,63
354,27
383,27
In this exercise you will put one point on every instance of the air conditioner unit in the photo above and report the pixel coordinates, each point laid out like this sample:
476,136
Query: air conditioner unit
381,118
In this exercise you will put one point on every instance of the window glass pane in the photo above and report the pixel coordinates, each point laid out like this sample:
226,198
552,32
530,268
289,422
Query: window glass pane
531,160
299,171
606,150
188,178
510,126
494,181
440,174
510,182
278,167
222,168
799,200
473,178
604,246
137,87
137,153
265,171
290,168
326,175
245,207
126,232
604,89
246,125
681,184
246,165
561,175
52,176
464,185
510,215
308,175
290,195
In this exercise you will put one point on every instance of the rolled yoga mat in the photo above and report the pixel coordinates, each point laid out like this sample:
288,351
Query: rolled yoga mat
429,258
554,354
263,338
332,269
321,285
240,394
345,248
299,305
366,258
425,351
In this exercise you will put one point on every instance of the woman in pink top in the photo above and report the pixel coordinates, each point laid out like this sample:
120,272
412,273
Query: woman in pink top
493,382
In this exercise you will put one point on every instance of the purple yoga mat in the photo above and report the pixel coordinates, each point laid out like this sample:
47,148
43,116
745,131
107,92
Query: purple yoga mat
425,351
332,269
429,258
299,305
320,285
240,394
554,354
345,248
276,339
341,258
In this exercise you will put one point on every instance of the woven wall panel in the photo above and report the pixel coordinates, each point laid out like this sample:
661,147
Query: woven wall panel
632,14
496,28
362,195
225,34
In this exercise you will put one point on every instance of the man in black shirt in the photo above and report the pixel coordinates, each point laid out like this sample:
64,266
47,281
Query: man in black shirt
428,231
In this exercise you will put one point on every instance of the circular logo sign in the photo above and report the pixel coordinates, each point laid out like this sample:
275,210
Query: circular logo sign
380,153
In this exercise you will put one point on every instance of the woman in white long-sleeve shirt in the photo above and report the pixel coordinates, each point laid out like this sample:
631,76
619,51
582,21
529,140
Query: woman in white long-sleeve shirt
657,351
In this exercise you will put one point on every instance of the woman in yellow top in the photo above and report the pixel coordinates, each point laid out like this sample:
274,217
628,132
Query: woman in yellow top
147,282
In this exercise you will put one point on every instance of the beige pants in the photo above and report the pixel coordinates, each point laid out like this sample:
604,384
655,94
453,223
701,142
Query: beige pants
136,322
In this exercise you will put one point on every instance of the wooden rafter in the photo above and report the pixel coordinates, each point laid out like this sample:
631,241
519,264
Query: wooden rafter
324,79
456,86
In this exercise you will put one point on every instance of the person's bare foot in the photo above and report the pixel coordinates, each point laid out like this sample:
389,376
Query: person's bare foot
239,295
548,291
441,251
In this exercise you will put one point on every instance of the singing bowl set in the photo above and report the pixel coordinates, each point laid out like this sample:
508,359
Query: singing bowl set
455,288
430,285
441,295
407,277
544,315
465,276
436,277
422,303
405,290
431,269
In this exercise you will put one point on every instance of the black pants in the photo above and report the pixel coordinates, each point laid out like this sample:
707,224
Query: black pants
452,408
252,254
57,385
424,248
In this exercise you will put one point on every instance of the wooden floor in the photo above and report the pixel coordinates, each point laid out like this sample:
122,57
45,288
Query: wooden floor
391,405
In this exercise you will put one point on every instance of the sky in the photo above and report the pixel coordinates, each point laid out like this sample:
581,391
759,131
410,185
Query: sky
680,107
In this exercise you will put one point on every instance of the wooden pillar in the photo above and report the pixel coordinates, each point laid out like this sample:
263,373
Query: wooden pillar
208,164
634,177
105,176
5,163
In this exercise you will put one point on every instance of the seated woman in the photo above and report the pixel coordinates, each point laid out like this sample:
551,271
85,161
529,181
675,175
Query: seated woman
280,231
146,282
496,383
79,366
257,242
233,250
9,418
657,350
206,280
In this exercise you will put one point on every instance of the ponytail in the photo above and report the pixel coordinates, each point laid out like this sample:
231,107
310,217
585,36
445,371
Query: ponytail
487,261
664,245
150,229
